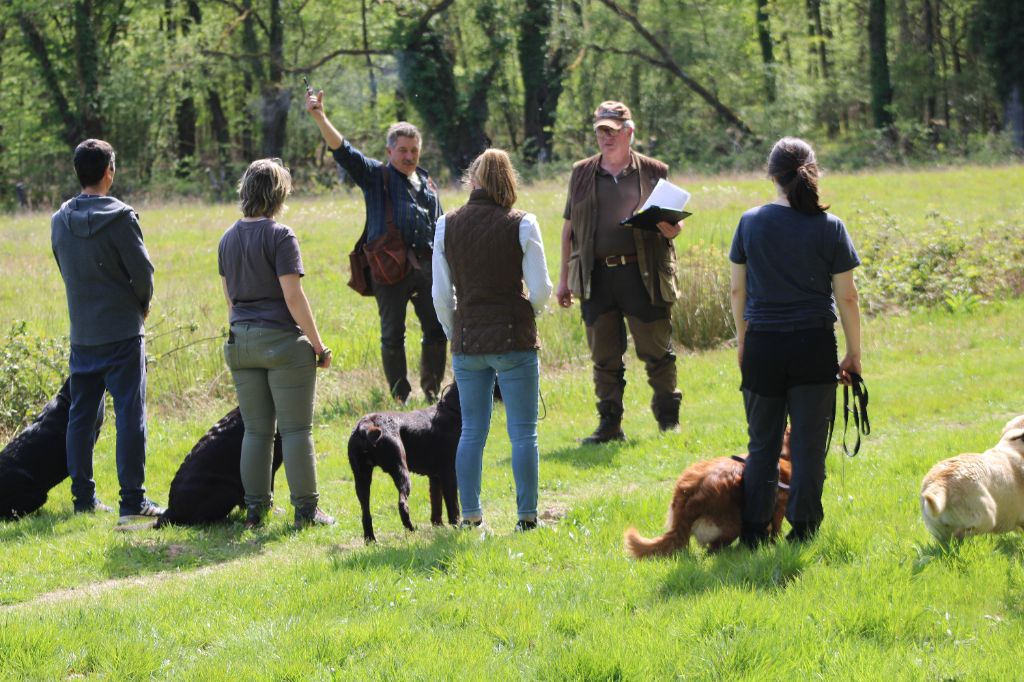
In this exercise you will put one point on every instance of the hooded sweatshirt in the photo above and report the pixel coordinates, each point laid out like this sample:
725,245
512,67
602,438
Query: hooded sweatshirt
108,276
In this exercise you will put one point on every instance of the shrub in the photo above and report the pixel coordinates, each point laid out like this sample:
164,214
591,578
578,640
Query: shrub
702,316
938,266
31,370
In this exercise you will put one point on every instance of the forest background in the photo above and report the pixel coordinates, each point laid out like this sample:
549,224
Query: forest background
189,92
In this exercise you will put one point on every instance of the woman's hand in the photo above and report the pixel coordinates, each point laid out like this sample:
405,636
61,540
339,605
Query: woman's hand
323,358
849,364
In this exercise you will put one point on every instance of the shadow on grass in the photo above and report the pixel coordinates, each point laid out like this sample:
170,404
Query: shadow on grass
587,456
770,568
411,557
36,524
152,550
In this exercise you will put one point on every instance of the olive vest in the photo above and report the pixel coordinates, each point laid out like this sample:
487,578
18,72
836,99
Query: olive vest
656,256
485,257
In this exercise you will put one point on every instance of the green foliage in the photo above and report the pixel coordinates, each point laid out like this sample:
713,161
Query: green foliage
31,370
940,266
702,316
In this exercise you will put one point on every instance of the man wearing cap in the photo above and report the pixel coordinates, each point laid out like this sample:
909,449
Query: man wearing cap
622,276
415,206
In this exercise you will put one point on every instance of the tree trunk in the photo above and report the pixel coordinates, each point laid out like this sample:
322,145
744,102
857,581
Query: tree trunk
369,62
541,67
277,98
1014,116
764,37
881,84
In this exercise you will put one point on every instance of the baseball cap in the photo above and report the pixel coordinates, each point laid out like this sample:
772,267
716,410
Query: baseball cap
612,114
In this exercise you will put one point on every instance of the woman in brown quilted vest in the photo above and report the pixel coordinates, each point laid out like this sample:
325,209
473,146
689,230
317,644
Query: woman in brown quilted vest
484,254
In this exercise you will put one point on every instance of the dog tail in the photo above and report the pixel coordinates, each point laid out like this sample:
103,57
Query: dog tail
933,501
639,547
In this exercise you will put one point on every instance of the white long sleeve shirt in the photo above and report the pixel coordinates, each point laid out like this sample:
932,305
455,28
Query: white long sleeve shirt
535,272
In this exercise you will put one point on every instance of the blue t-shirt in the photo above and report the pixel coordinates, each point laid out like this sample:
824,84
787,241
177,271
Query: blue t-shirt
790,258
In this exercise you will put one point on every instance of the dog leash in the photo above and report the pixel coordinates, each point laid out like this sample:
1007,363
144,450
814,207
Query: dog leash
861,422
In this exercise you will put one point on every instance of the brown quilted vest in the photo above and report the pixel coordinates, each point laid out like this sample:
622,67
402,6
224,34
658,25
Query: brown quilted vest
492,311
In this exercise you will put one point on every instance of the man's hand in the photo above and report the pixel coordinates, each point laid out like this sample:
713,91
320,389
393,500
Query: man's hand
668,230
563,295
315,104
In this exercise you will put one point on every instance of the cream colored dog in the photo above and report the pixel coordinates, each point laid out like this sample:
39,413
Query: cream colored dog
972,494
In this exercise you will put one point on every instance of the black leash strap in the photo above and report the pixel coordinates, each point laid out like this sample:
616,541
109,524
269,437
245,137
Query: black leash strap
861,422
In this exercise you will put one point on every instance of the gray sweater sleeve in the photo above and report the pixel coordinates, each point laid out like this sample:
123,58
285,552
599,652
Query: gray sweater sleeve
136,260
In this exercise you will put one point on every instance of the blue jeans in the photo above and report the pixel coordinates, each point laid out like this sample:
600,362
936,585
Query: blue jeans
120,368
518,376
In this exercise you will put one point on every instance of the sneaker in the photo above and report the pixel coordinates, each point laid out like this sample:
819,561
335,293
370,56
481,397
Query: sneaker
147,511
305,518
94,507
256,515
470,524
524,525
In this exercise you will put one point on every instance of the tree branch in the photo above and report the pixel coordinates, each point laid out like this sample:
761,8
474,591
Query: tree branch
672,66
306,68
630,53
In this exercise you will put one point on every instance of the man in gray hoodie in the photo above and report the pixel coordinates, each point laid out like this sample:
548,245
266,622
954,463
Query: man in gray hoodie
108,278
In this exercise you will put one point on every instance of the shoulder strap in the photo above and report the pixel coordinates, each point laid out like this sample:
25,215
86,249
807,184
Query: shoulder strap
389,215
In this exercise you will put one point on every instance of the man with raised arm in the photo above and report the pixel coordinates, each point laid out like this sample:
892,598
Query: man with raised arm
415,206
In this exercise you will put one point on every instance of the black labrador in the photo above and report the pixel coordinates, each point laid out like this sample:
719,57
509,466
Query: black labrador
421,441
208,484
37,459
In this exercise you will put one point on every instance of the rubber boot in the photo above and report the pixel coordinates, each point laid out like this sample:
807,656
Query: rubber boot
666,410
609,427
395,372
433,358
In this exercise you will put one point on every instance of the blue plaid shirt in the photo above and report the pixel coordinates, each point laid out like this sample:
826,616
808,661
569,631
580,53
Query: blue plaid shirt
414,213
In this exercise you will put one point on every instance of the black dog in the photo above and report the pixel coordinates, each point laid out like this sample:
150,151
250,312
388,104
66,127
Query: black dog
423,442
208,484
37,459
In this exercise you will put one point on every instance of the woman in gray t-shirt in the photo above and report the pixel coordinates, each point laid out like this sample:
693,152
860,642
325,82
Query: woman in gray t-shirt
273,348
792,267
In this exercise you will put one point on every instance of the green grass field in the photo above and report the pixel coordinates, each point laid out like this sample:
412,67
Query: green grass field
872,597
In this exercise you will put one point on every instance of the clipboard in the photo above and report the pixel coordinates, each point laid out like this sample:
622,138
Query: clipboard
649,218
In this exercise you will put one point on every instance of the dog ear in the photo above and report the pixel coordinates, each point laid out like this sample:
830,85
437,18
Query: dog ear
1014,434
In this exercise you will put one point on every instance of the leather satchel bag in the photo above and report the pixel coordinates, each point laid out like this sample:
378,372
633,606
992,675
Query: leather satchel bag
359,269
387,255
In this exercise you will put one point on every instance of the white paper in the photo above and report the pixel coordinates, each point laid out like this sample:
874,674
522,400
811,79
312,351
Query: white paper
667,195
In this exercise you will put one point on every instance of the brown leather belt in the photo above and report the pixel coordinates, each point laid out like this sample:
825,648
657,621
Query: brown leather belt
615,261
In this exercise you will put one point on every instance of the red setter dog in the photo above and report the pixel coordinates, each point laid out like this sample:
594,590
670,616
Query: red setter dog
708,504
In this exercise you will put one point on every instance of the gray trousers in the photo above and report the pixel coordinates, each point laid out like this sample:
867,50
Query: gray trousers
275,376
810,408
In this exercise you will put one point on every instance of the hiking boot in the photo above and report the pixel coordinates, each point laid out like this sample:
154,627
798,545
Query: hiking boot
312,516
608,429
432,362
93,507
147,511
256,515
393,360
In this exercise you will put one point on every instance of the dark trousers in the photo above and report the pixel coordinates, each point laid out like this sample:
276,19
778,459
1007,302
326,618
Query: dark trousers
392,303
619,299
794,374
120,369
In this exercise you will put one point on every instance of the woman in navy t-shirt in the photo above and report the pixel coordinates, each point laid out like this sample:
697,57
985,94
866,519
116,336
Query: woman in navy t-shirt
792,267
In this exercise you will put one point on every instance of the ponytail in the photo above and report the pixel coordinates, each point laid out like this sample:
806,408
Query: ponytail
793,166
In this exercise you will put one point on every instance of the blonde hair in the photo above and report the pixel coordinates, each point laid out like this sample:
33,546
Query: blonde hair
493,172
263,187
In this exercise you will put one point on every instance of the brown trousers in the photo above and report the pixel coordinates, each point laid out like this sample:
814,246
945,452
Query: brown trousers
619,298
